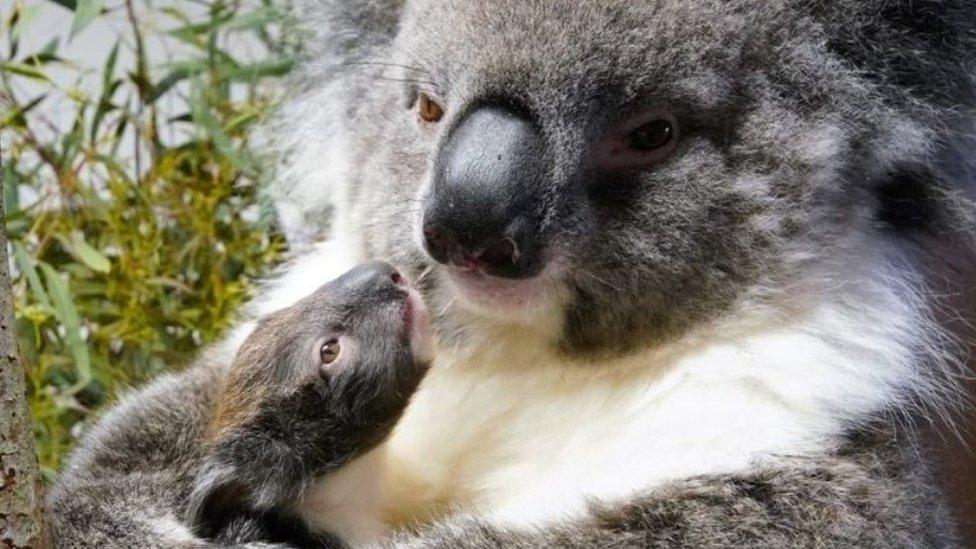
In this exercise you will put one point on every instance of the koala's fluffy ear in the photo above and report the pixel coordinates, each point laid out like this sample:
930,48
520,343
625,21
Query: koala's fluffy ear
346,28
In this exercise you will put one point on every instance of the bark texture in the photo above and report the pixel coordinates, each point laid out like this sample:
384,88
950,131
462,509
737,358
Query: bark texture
22,520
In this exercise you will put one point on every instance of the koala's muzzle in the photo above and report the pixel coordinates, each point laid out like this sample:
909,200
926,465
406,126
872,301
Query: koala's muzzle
484,211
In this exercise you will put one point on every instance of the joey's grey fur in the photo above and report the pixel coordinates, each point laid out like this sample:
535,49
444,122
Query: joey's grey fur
219,454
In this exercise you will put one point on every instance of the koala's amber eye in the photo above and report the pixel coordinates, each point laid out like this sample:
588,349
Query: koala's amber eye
329,352
429,110
652,136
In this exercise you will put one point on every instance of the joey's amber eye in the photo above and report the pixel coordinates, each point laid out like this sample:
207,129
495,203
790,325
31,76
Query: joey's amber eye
651,136
329,352
429,110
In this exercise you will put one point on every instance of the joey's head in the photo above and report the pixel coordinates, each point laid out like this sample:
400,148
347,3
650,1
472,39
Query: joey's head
313,386
352,351
626,171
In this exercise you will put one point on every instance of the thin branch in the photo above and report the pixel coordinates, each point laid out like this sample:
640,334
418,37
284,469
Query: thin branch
65,178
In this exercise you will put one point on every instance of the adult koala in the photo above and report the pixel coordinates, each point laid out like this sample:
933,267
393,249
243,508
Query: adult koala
684,260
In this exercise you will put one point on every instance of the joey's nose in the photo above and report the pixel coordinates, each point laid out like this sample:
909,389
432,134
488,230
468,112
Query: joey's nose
376,277
485,208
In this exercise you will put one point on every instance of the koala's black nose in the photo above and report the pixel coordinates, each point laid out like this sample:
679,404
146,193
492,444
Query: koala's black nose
485,208
375,278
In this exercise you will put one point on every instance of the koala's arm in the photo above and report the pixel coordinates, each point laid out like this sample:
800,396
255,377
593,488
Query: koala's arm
829,502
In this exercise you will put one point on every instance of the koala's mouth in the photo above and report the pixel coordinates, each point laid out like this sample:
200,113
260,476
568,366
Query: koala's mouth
416,323
501,297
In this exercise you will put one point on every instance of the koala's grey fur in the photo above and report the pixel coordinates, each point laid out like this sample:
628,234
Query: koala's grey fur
885,85
220,454
808,125
867,495
817,137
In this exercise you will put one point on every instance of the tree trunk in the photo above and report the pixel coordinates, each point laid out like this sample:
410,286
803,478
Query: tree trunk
22,519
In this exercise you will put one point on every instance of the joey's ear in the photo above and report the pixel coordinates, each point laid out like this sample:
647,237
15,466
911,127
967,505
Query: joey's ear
217,498
240,476
220,508
913,198
346,29
904,198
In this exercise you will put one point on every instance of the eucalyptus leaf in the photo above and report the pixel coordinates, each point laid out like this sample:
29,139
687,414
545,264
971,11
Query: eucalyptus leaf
51,47
89,255
80,249
109,87
70,4
47,54
205,118
85,12
253,71
25,263
10,180
16,116
24,70
71,141
174,77
64,308
255,19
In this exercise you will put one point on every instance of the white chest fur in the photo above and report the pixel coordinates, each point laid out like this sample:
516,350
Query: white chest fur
511,432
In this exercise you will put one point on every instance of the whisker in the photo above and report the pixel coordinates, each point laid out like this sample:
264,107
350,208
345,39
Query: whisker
447,306
606,283
388,64
424,274
403,80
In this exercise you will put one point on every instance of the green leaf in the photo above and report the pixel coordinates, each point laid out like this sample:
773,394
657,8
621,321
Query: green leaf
109,87
105,106
117,135
10,180
71,141
51,47
70,4
81,250
26,71
27,268
245,21
204,118
186,118
179,73
89,255
239,123
253,71
252,20
85,12
193,32
109,71
16,116
67,315
47,54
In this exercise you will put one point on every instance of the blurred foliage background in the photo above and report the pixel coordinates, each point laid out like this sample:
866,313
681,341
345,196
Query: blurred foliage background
136,222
